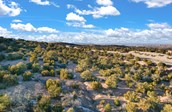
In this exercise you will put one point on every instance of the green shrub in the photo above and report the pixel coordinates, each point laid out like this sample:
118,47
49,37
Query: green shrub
117,102
2,57
64,74
18,68
53,87
4,102
45,73
131,107
70,110
58,108
96,85
167,108
131,96
36,67
14,56
87,76
111,81
44,104
27,76
107,107
10,80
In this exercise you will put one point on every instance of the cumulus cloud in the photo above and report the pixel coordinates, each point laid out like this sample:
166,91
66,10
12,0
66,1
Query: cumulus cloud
30,28
77,21
154,3
74,17
99,12
4,32
104,2
154,33
11,9
39,2
44,3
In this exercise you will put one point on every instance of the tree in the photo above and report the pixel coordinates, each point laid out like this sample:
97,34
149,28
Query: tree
111,81
87,76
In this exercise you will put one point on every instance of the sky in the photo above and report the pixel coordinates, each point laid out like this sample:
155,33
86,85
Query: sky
88,21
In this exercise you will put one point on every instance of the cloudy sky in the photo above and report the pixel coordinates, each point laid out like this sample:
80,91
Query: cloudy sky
88,21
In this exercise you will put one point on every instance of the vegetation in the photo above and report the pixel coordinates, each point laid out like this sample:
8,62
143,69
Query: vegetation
60,77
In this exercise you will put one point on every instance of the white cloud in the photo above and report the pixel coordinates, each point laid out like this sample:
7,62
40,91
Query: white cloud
77,21
44,3
11,9
100,12
155,33
104,2
70,6
74,17
80,25
4,32
47,29
154,3
158,25
39,2
17,21
30,28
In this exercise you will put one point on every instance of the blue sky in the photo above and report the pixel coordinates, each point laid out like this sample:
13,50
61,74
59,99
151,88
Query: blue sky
88,21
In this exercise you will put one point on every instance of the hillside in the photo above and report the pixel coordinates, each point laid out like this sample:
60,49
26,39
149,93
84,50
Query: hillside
56,77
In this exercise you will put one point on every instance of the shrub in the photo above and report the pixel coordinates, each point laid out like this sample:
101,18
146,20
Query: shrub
27,76
131,107
117,102
2,57
96,85
44,104
58,108
107,107
29,65
4,102
64,74
144,105
131,96
105,73
10,80
70,110
45,73
111,81
53,87
18,68
87,76
167,108
36,67
14,56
